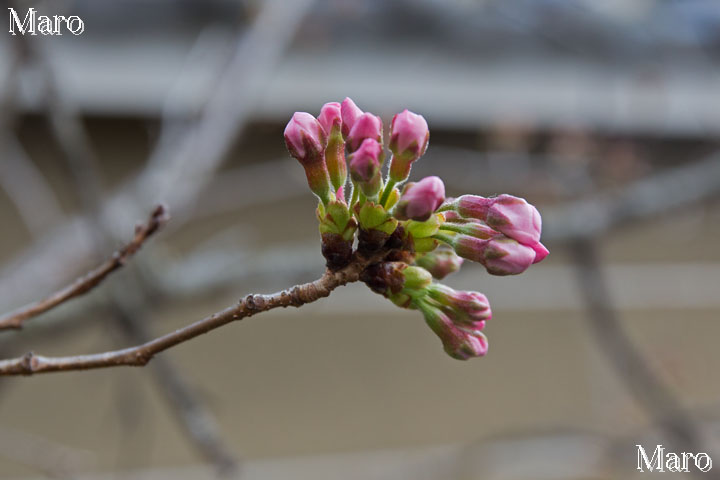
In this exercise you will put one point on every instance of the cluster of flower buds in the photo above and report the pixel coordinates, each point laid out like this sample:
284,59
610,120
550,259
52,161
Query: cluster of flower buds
502,233
408,239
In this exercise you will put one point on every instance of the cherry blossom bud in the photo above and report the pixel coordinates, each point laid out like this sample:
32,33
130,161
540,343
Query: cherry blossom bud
540,252
466,309
366,126
499,255
459,343
452,216
409,136
330,117
365,167
476,229
350,113
416,278
331,121
440,263
472,206
510,215
516,218
420,200
306,141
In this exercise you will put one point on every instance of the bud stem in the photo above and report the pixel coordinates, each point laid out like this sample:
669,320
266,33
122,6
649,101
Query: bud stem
354,196
386,192
451,227
443,238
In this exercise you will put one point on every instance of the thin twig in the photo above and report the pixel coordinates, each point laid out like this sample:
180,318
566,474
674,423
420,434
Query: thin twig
140,355
15,319
125,306
176,170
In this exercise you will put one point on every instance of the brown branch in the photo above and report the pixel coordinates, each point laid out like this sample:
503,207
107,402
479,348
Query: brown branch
140,355
16,318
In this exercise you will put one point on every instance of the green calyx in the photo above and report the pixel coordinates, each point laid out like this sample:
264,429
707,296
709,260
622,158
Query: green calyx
416,278
372,216
335,158
336,218
425,229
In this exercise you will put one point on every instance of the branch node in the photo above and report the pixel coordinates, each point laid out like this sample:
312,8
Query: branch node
255,303
296,297
29,363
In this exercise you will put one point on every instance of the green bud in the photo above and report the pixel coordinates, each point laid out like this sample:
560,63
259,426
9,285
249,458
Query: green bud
416,278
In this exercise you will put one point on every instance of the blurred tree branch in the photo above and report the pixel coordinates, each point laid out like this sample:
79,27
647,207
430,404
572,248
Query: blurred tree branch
92,279
628,361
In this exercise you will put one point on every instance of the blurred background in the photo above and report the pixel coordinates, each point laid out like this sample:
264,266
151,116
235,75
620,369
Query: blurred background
606,115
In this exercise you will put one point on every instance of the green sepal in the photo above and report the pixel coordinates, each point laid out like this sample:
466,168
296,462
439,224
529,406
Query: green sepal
375,217
425,229
402,300
423,245
371,215
416,278
389,226
336,218
392,198
339,213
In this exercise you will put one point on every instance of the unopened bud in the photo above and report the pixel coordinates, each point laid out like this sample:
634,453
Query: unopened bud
419,200
331,120
409,136
366,126
440,263
365,167
540,252
466,309
510,215
499,255
459,343
416,278
306,141
350,113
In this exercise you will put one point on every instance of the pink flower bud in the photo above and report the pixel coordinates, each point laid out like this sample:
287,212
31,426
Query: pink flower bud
473,206
510,215
540,252
331,121
366,126
365,167
454,217
499,255
516,218
459,343
440,263
466,309
306,140
330,117
409,136
350,113
421,199
479,230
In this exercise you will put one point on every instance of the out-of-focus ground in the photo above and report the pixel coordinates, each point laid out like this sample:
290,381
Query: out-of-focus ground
351,386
